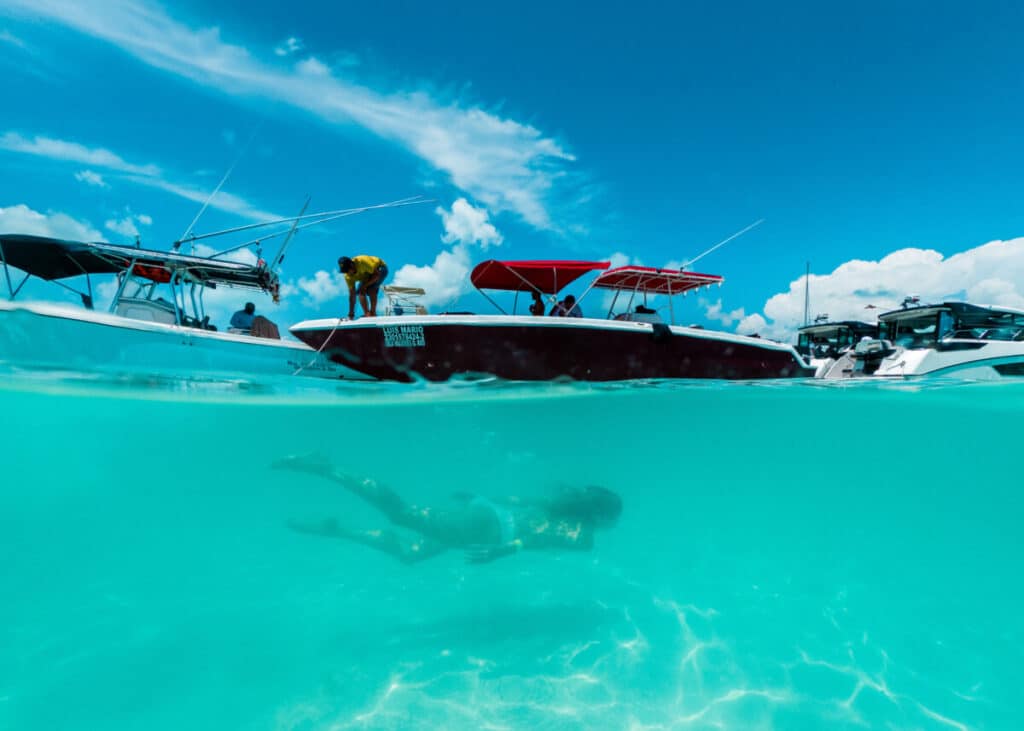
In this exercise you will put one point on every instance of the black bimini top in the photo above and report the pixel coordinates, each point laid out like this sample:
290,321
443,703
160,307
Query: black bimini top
958,309
51,259
857,327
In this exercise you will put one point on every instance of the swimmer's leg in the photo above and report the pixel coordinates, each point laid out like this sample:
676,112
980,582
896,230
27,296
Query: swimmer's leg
408,551
443,526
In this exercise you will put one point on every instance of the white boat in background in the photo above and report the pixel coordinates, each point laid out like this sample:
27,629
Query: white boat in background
948,339
143,330
824,341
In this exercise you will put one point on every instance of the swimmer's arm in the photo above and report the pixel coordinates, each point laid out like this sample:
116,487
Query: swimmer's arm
559,537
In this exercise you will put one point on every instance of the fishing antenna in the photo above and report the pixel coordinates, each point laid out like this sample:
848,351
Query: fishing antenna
723,242
336,216
291,233
341,212
807,294
209,199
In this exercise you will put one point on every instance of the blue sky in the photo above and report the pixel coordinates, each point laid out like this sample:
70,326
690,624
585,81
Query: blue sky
880,142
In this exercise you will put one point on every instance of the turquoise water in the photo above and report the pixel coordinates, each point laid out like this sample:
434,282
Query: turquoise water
790,556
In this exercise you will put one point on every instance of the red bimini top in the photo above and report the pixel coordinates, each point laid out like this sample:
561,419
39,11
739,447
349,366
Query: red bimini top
654,281
546,277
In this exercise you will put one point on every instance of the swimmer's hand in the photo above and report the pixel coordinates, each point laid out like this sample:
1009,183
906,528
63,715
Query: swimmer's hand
482,554
486,554
313,463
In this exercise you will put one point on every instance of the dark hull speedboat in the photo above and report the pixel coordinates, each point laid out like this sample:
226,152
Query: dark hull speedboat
438,347
525,348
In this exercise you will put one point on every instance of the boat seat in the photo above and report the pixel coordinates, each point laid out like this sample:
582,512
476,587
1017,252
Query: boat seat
148,310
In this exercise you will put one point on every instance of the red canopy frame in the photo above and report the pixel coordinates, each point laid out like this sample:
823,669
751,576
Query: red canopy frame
650,280
546,277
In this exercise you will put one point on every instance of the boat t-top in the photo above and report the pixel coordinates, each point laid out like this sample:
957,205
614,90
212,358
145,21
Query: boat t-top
633,343
156,320
949,338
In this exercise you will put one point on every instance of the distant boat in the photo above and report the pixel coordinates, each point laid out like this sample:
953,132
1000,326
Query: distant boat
822,342
156,320
633,344
947,339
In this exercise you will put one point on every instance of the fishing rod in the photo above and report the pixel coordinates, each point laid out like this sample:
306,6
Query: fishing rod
284,246
723,242
213,195
300,227
412,200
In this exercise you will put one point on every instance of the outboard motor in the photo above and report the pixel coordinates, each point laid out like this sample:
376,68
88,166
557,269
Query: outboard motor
861,360
869,353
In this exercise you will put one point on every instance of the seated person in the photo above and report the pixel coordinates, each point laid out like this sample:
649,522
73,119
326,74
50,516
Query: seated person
567,308
537,306
242,320
645,314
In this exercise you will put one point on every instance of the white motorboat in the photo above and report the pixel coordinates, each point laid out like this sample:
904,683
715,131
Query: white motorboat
156,320
823,341
948,339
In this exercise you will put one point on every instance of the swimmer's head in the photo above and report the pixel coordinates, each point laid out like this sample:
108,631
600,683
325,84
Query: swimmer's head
590,503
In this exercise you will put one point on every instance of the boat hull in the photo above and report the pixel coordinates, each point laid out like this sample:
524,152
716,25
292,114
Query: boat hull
439,347
57,336
966,359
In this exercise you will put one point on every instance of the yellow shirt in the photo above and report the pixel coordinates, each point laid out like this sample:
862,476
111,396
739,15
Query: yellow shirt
365,267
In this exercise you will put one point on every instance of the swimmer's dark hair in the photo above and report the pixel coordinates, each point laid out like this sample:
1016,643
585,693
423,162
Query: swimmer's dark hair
590,503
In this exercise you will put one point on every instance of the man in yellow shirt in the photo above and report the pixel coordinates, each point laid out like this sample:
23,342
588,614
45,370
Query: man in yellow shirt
364,274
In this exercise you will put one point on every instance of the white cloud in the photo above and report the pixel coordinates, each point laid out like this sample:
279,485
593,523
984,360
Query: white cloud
465,224
24,220
222,202
124,226
127,226
992,273
618,259
312,66
751,324
447,277
7,37
505,164
243,256
715,312
444,280
72,152
289,46
322,287
91,178
147,175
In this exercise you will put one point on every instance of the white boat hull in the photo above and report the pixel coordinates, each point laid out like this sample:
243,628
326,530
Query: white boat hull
58,336
993,360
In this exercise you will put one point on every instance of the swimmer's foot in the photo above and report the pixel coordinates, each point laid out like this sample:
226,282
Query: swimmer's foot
314,463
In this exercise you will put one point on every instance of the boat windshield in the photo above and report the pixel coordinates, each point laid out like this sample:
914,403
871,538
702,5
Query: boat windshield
827,344
984,325
913,332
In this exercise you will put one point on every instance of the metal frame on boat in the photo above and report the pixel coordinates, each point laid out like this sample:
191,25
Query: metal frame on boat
140,329
631,345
